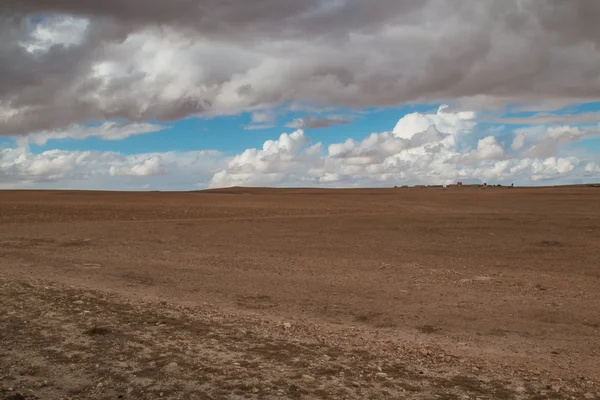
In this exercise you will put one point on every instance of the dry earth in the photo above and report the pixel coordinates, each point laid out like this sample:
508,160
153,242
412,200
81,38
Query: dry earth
261,293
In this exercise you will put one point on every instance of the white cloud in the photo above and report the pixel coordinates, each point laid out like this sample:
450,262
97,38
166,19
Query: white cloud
546,141
19,167
263,117
262,120
277,161
489,149
151,166
433,154
105,131
552,167
518,141
592,167
423,149
443,121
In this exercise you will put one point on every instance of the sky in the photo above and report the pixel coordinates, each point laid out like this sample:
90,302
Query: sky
193,94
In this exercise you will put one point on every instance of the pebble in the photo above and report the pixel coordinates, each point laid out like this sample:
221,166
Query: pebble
589,396
381,375
78,302
171,367
255,390
520,389
287,325
308,378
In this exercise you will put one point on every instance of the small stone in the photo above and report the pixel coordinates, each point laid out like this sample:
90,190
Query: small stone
537,373
556,388
78,302
100,384
426,352
255,390
520,389
287,326
381,375
308,378
589,396
171,367
236,364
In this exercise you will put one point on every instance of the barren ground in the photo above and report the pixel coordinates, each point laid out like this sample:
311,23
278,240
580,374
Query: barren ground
261,293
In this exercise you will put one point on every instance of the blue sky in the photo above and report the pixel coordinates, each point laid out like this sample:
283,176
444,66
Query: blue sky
228,133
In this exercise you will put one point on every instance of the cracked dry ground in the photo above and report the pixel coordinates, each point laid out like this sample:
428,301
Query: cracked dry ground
259,294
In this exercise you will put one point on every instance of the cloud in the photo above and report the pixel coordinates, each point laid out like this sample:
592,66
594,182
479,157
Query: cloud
277,161
447,122
105,131
151,60
546,141
19,167
261,120
518,141
423,149
488,148
551,119
149,167
310,122
445,149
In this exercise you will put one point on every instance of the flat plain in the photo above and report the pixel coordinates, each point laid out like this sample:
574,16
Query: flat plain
480,293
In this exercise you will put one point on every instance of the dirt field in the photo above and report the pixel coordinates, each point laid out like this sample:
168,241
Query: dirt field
260,293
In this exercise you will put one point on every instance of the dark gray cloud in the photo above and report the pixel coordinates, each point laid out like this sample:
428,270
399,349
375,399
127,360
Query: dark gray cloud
139,60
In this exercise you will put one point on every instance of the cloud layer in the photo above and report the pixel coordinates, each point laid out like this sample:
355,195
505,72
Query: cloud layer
71,62
423,148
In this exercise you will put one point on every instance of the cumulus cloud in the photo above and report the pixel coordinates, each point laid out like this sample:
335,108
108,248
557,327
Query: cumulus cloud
142,60
423,148
149,167
19,167
285,159
546,141
443,121
418,153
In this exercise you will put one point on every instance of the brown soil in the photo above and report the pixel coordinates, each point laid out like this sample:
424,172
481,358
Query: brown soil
262,293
